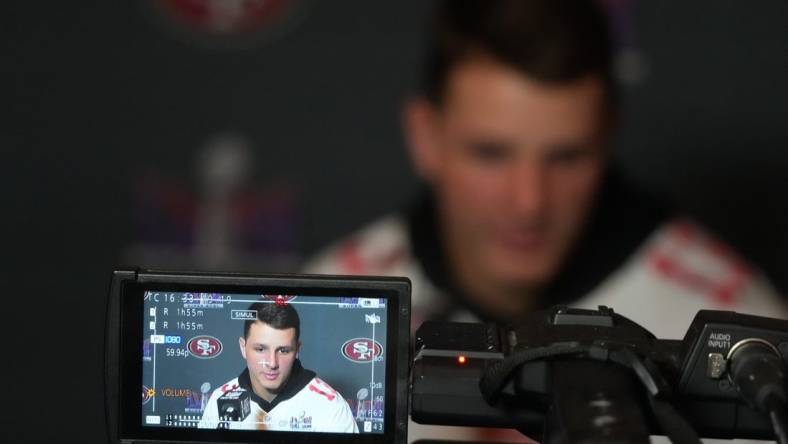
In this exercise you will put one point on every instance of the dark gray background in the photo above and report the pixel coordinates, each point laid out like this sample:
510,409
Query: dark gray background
95,94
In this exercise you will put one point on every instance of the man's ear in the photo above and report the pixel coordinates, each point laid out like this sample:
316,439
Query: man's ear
298,348
420,124
242,344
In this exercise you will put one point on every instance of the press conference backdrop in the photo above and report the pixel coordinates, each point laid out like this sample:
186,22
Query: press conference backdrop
246,135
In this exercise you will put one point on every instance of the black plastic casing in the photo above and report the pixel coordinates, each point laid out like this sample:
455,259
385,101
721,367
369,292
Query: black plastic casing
715,402
121,353
447,392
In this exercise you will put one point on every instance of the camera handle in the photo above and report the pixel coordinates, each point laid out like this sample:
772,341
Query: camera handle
596,394
593,402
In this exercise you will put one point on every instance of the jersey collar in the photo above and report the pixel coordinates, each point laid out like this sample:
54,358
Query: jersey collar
299,378
622,218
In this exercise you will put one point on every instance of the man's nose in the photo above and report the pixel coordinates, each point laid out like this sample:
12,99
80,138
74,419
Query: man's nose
271,360
528,188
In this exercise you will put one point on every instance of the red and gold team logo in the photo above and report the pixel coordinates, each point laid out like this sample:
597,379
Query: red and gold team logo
204,347
279,299
229,21
362,350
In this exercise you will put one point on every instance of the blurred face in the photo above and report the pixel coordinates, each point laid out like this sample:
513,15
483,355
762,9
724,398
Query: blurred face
270,354
515,165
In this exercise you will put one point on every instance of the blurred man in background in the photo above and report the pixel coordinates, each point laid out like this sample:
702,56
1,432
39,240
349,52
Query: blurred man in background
522,209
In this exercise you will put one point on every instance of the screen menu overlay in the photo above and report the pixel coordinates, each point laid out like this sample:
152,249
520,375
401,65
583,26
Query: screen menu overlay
263,362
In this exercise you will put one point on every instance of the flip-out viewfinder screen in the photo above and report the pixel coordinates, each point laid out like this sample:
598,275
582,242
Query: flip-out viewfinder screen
278,362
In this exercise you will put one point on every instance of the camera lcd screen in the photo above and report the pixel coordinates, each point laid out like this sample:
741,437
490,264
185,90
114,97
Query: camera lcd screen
273,362
221,357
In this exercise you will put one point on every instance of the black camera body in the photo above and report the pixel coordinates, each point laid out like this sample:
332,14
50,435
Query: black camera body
570,373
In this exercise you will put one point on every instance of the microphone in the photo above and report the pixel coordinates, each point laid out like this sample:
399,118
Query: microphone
234,405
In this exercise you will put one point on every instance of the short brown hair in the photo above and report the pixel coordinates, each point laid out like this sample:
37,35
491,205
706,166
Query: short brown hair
554,41
278,316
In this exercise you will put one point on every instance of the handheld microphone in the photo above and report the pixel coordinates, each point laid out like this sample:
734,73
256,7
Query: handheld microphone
234,405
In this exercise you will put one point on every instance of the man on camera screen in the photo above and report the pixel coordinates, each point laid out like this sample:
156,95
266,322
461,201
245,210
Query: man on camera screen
274,392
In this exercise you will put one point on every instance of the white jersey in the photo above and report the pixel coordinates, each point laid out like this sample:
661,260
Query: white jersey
678,270
315,407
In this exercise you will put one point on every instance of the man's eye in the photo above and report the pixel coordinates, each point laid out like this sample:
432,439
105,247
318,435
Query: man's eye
567,155
488,151
259,349
284,351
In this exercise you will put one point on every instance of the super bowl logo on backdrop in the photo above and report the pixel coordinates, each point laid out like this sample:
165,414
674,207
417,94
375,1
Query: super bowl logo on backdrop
362,350
204,347
196,402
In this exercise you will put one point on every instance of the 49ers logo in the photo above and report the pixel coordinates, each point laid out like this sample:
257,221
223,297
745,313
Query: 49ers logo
204,347
279,299
227,17
362,350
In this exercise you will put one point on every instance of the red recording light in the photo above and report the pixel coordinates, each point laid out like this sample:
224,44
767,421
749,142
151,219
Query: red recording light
461,359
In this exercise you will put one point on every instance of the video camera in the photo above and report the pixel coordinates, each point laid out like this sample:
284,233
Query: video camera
197,347
572,375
